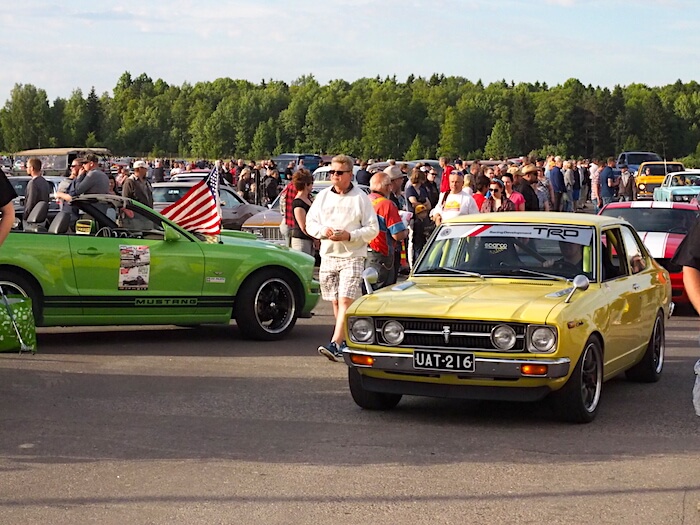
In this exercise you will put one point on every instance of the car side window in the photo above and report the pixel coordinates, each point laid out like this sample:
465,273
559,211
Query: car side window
636,259
613,260
227,200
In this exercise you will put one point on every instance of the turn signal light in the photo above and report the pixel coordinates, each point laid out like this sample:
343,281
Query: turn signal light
534,370
362,360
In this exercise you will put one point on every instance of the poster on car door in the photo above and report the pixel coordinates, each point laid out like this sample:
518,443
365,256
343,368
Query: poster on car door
134,267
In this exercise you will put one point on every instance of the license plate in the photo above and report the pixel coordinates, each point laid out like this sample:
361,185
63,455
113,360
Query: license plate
443,361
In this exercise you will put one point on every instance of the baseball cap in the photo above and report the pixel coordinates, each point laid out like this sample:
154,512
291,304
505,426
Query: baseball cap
394,172
140,164
420,208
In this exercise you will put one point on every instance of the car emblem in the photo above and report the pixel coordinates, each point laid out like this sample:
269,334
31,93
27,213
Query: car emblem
446,333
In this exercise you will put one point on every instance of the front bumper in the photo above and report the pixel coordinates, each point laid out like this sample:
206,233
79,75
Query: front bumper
484,367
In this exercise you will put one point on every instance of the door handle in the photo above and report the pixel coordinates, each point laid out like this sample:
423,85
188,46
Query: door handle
635,286
89,251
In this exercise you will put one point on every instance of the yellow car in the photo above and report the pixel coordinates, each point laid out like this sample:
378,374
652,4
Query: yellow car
514,306
651,175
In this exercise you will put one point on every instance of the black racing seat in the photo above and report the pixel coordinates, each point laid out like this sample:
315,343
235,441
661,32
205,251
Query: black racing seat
36,220
60,223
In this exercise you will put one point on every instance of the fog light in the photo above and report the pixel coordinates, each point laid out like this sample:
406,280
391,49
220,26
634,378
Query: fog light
362,360
534,370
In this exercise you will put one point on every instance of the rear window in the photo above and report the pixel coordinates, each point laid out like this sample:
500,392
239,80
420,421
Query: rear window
168,194
661,169
655,219
638,158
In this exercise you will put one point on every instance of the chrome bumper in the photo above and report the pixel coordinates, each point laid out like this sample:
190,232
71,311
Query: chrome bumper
485,367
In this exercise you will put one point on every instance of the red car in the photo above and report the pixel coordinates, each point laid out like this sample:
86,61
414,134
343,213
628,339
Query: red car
662,226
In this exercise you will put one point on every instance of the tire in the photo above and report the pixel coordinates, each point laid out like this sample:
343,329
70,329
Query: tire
14,284
266,306
648,370
579,399
367,399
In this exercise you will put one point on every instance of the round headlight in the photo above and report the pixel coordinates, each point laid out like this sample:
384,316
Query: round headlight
393,332
542,339
362,330
503,337
642,186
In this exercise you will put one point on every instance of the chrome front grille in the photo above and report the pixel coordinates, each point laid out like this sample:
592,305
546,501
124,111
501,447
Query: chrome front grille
449,334
268,233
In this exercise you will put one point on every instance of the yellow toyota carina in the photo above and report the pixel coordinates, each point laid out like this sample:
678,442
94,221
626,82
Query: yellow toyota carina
514,306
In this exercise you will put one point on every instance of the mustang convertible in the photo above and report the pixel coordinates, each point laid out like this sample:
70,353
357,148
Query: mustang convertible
119,262
514,306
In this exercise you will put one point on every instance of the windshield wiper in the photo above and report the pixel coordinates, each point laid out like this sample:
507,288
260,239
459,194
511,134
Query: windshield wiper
539,274
451,270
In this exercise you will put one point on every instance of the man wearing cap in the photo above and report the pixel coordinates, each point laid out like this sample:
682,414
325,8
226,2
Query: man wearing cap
525,187
93,180
137,186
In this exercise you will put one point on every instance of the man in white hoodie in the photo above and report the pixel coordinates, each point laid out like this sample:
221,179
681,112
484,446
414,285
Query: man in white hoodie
343,217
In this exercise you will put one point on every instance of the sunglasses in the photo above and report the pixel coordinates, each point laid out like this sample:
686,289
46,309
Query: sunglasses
337,172
75,165
495,190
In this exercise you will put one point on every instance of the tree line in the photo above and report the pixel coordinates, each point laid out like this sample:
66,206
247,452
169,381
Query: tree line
370,117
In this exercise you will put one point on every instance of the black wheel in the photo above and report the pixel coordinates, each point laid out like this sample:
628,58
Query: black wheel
369,400
648,370
266,307
15,284
578,400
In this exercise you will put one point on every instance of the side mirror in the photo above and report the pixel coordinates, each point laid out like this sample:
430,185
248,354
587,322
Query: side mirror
171,234
370,276
581,282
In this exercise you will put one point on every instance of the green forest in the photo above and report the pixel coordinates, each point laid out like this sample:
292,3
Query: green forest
370,117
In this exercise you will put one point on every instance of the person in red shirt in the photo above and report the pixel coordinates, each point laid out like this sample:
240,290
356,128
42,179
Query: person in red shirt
287,197
481,188
446,170
380,253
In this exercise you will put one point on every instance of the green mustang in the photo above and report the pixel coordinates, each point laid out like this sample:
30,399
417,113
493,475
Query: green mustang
123,263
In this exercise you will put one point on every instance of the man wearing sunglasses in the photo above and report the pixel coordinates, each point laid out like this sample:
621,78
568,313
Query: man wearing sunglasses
343,217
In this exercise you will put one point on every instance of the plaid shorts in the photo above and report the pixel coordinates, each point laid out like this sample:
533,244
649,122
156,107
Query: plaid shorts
341,277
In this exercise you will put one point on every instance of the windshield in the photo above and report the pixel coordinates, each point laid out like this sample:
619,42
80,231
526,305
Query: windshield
655,219
661,169
638,158
518,250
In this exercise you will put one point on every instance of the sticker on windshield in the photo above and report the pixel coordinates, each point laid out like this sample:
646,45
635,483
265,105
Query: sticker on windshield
134,267
574,234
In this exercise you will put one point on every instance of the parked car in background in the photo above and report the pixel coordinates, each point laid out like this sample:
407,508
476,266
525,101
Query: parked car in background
634,158
234,210
652,174
682,186
311,161
662,226
514,306
125,264
320,174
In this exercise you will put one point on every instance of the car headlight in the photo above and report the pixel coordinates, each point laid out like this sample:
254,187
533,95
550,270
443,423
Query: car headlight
542,339
361,329
642,186
393,332
503,337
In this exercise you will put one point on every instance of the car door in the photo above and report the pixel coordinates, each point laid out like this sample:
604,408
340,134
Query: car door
642,298
623,311
135,276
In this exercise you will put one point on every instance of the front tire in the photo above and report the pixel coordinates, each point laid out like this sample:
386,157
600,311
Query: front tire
266,306
579,399
648,370
367,399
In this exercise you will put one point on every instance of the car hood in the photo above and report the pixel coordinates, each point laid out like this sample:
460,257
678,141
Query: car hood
492,299
661,245
266,217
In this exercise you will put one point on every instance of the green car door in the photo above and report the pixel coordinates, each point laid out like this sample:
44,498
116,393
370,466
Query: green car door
133,275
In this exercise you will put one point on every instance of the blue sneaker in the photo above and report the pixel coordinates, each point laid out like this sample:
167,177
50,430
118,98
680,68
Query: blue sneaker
331,351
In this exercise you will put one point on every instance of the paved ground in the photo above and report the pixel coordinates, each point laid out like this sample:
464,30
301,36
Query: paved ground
198,426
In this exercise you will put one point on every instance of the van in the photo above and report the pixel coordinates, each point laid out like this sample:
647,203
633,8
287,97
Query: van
56,161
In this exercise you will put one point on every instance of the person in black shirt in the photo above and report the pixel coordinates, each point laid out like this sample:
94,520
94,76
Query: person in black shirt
303,184
529,177
688,256
7,195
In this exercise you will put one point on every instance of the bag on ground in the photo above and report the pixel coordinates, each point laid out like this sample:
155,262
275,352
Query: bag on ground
20,309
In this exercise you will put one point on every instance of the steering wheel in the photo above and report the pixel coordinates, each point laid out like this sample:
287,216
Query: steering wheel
105,231
565,267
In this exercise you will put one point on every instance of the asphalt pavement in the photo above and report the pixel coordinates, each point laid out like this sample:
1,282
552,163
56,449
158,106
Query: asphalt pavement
174,425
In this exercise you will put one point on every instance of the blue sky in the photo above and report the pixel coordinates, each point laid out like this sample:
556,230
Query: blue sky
61,46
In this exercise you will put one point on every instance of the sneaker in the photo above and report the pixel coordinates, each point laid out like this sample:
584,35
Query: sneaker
331,351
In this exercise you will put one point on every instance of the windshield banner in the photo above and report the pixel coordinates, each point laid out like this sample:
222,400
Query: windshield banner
575,234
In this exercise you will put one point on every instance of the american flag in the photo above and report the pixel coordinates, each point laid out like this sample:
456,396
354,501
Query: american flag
198,210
